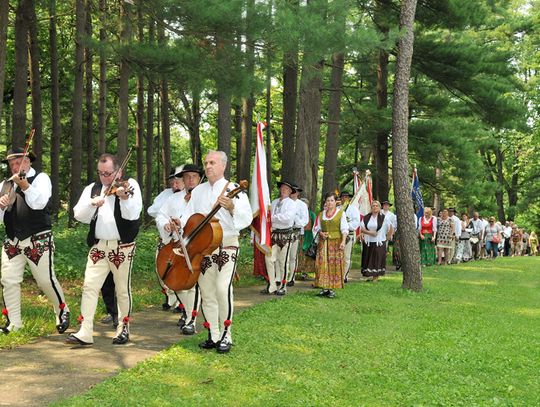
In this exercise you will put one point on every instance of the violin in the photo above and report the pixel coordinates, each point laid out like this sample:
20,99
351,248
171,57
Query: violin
120,183
178,263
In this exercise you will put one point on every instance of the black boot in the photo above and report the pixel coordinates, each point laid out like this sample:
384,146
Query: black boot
64,323
123,338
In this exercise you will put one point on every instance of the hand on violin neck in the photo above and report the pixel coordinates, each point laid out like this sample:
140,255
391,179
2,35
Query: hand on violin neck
21,181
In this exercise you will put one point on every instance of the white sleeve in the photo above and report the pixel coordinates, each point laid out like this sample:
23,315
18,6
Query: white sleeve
343,224
434,224
353,217
39,192
317,226
159,201
84,211
242,214
131,208
303,214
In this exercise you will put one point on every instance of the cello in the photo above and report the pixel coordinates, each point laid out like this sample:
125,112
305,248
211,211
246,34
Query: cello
179,262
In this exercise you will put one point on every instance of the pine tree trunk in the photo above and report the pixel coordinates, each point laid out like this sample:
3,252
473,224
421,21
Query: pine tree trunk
123,91
409,248
4,12
20,88
90,164
102,104
35,81
224,124
140,104
309,130
334,112
55,112
78,92
290,97
193,113
244,159
149,130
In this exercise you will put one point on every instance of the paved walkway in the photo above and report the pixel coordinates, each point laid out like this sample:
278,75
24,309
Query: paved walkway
47,370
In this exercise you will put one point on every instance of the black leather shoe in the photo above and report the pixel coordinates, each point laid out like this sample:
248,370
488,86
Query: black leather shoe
181,322
322,293
331,294
290,284
165,306
208,344
4,330
224,346
123,338
64,323
188,329
346,280
264,291
73,340
177,310
281,291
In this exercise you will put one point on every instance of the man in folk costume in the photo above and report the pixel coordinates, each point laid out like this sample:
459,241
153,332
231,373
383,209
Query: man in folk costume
301,220
218,269
283,214
170,216
392,218
24,210
113,214
176,185
352,216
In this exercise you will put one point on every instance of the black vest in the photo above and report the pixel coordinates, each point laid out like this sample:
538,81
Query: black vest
380,220
128,229
22,221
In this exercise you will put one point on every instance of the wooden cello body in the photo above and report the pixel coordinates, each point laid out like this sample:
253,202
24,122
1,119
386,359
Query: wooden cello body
202,235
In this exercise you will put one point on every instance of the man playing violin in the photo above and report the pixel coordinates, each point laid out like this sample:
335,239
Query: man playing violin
24,209
218,269
113,211
168,222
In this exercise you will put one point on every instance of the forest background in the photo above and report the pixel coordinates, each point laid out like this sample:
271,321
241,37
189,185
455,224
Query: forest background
173,79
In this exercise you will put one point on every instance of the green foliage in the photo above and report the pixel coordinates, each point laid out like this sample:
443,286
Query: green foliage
375,344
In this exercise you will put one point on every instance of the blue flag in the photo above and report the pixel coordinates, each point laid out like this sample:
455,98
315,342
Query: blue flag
417,196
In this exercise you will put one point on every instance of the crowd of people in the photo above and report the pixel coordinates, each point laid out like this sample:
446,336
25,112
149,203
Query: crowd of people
446,238
209,215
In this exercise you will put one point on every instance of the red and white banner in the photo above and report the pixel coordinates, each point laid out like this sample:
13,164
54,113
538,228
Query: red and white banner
356,181
260,196
363,197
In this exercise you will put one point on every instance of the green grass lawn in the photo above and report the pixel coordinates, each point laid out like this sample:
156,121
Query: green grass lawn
70,262
470,338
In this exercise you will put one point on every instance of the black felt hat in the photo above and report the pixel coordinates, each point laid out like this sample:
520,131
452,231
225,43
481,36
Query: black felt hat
190,168
345,193
17,152
290,185
386,202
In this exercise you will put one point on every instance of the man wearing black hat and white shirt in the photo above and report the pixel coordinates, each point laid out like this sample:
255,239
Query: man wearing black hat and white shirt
353,219
25,212
167,221
300,221
283,214
176,184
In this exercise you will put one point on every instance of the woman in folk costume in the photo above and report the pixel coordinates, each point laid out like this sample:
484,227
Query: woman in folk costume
331,228
427,230
376,230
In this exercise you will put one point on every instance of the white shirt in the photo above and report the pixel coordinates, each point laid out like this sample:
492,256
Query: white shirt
302,215
159,201
106,229
477,225
434,226
173,207
457,225
353,217
343,225
283,213
381,234
203,198
392,218
37,195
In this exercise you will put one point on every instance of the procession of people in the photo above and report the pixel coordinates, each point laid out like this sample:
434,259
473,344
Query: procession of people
200,204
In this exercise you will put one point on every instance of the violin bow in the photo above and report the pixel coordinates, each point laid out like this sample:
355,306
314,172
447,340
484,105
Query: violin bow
179,233
121,168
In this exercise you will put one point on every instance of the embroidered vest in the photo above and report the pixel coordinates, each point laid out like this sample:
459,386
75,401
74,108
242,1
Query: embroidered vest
332,226
22,221
128,229
427,226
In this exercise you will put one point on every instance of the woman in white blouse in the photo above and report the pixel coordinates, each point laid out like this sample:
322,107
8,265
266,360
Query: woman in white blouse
376,230
331,229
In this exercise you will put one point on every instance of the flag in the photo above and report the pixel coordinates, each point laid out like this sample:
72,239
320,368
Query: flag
417,196
260,196
363,197
356,180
